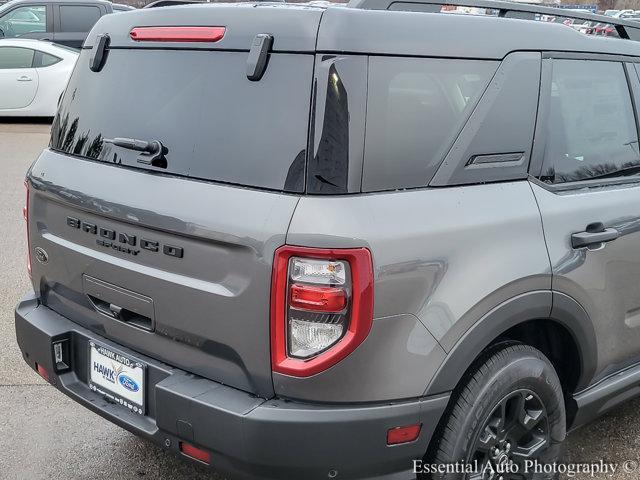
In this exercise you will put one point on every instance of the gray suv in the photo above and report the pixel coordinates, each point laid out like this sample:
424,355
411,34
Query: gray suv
362,241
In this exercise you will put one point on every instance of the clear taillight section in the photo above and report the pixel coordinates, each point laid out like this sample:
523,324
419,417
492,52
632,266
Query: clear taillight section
318,304
322,307
318,272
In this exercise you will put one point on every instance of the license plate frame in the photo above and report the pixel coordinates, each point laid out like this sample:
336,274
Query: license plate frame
117,377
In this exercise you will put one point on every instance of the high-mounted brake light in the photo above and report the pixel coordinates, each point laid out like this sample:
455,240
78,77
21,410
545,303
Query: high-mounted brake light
321,307
25,215
177,34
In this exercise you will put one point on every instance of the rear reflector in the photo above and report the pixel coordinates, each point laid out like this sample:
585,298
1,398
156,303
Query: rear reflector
398,435
177,34
195,453
42,372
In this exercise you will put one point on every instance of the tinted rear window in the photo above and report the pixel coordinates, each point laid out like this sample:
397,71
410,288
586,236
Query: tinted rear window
215,124
415,109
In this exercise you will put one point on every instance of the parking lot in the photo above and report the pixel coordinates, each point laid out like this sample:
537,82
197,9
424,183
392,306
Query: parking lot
45,435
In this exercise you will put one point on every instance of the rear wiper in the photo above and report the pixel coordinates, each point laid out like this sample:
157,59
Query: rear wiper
153,152
625,172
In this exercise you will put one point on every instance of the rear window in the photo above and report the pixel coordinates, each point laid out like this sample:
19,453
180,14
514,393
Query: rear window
415,109
214,123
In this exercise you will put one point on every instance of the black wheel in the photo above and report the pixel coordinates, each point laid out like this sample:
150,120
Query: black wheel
507,413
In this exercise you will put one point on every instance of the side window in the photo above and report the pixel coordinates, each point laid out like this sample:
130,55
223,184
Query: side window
78,18
591,128
23,20
15,57
46,60
415,109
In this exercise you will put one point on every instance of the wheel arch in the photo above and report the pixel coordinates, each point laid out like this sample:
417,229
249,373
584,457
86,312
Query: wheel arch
544,306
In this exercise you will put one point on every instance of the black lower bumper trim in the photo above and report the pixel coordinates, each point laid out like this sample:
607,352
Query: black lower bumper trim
248,437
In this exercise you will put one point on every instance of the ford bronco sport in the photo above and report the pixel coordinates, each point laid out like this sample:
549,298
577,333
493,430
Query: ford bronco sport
313,241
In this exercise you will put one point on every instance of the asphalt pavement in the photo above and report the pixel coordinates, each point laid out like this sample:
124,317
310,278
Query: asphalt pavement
45,435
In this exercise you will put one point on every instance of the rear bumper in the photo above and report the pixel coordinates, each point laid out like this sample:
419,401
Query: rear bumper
248,437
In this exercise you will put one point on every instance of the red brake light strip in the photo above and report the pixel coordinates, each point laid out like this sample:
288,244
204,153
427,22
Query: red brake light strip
177,34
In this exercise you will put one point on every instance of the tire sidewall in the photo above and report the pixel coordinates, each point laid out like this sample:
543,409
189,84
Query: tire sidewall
506,371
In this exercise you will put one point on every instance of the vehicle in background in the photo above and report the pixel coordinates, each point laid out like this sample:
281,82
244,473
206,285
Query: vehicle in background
610,13
33,75
66,22
582,26
603,29
623,13
119,7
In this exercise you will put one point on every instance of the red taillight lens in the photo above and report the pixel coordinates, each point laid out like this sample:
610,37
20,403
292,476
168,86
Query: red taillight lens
398,435
195,453
320,299
177,34
25,215
321,307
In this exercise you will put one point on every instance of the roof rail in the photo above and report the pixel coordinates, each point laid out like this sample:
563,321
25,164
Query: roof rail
626,29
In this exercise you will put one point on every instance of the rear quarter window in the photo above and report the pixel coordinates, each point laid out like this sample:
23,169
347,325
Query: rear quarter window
415,110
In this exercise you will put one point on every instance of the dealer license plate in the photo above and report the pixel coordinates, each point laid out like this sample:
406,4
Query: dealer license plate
117,377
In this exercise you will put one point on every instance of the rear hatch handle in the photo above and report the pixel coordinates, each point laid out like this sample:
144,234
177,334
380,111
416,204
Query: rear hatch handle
153,152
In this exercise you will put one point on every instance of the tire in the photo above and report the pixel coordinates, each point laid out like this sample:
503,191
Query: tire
511,390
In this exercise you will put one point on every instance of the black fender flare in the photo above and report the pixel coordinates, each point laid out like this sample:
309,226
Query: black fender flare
536,305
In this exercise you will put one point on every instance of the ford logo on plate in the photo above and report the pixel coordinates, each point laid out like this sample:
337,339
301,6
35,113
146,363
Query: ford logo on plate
128,382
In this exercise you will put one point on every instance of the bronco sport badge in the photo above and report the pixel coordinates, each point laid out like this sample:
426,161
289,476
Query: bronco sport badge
123,242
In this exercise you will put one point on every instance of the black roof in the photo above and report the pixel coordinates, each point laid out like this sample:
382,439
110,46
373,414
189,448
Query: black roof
377,27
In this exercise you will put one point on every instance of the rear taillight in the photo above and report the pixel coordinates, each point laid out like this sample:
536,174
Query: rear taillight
25,215
321,307
177,34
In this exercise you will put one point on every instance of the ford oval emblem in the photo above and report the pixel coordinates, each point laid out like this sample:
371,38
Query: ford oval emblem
41,255
128,382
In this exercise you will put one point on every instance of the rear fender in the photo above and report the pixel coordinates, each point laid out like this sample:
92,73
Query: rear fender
543,304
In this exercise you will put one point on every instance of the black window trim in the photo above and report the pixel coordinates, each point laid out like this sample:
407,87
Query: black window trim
540,136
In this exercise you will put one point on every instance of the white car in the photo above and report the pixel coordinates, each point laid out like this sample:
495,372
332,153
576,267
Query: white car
33,75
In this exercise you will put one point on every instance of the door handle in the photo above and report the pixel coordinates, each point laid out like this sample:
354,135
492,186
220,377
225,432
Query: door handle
594,234
24,78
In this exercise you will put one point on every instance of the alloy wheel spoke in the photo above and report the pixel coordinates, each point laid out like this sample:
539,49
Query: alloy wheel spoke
516,430
487,440
531,450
